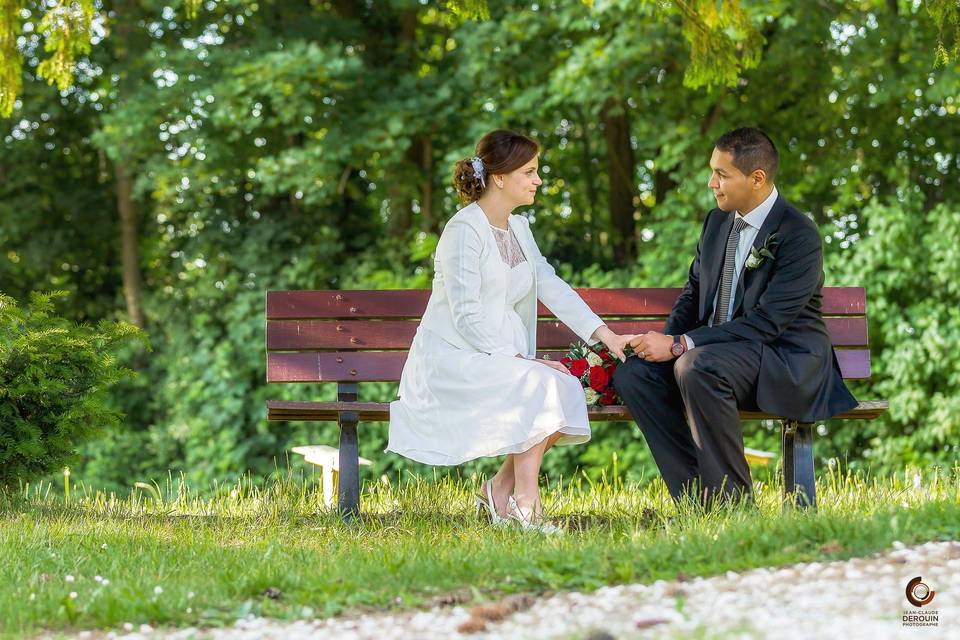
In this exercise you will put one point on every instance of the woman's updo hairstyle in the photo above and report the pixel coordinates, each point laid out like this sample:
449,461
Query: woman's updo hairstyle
500,151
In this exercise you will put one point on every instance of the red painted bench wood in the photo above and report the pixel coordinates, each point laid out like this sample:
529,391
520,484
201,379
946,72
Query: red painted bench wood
312,335
385,366
380,411
411,303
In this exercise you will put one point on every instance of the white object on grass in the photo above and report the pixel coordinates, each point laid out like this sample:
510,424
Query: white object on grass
328,459
758,457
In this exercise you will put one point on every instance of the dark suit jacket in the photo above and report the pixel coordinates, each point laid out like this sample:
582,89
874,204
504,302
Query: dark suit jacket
777,305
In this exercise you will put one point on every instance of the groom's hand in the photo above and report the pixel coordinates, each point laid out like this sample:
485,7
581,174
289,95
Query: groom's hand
653,347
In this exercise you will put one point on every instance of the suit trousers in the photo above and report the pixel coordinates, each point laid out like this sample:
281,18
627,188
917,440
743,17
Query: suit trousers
688,412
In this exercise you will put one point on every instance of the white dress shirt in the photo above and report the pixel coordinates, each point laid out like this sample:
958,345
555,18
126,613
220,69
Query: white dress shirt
754,220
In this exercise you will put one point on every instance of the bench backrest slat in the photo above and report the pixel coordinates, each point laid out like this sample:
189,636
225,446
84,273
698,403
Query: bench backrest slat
385,366
411,303
340,335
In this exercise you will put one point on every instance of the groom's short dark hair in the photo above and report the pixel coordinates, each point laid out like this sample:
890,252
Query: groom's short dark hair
751,149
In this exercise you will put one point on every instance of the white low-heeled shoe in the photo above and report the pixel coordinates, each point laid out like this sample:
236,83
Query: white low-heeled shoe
542,526
485,504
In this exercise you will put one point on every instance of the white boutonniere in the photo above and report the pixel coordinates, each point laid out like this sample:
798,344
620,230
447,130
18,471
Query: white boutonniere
757,257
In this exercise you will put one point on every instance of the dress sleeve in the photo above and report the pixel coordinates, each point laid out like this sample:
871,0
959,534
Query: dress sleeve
458,253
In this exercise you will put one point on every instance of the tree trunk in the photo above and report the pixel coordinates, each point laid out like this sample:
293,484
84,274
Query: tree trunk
122,42
621,168
662,185
421,154
400,209
586,162
129,241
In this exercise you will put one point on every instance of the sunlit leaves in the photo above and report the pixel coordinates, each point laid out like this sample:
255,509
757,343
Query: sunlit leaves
946,14
67,29
723,41
470,9
11,64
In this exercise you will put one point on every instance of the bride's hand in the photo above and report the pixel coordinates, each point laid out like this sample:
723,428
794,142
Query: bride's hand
554,365
615,343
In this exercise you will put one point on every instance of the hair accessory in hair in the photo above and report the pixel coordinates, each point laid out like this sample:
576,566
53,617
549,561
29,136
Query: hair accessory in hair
478,170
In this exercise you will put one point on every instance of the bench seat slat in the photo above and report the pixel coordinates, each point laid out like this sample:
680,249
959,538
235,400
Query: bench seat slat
307,335
385,366
411,303
380,411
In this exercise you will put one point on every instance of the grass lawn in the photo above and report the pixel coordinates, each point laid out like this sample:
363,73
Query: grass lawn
174,559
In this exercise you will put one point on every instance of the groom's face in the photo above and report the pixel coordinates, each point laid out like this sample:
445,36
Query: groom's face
730,187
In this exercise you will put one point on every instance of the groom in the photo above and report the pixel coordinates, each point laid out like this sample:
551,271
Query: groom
746,332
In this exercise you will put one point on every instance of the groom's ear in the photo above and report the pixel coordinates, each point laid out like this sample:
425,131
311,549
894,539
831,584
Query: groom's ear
758,178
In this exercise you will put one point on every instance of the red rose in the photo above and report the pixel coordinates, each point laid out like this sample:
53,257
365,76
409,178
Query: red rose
565,361
605,355
609,396
599,378
578,367
610,369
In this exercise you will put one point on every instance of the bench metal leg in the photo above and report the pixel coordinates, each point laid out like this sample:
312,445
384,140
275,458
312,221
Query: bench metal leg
348,483
798,476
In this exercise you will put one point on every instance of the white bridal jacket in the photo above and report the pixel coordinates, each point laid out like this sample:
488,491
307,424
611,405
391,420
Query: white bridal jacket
469,299
463,394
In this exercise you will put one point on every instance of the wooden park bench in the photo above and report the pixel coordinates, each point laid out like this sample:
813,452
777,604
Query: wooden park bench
349,337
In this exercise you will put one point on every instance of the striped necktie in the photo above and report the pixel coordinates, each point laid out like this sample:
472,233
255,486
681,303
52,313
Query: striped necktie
729,264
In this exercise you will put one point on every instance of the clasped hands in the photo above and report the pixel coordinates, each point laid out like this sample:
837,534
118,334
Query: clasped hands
614,342
653,346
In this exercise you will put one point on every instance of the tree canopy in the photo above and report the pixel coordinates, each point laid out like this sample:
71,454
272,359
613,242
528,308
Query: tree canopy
193,160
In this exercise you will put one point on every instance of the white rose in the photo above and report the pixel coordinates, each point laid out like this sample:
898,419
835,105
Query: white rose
592,396
753,262
594,360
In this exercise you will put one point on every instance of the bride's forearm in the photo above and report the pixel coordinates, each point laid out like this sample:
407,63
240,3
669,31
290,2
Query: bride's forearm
602,333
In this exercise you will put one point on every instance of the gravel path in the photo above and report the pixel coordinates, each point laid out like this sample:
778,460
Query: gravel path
858,598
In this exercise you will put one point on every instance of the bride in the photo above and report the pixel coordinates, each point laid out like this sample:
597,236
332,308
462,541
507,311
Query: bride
472,385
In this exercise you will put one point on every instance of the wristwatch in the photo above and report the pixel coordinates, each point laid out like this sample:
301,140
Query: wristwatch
677,349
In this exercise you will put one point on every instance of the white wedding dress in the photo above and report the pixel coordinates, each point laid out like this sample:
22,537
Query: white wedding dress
456,405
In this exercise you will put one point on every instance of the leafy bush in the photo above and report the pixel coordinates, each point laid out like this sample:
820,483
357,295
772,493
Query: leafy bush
54,382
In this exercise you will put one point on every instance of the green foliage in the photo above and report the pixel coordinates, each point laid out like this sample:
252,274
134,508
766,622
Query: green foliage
11,64
54,382
293,147
946,13
723,42
472,9
910,264
67,27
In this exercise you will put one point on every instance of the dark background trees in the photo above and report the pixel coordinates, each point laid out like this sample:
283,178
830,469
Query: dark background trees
195,160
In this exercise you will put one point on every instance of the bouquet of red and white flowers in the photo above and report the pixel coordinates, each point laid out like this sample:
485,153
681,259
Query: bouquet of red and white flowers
594,366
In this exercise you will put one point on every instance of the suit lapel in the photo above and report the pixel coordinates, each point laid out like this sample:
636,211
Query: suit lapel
771,224
711,263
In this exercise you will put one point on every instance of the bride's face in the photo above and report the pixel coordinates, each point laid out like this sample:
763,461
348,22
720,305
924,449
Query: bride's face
520,185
